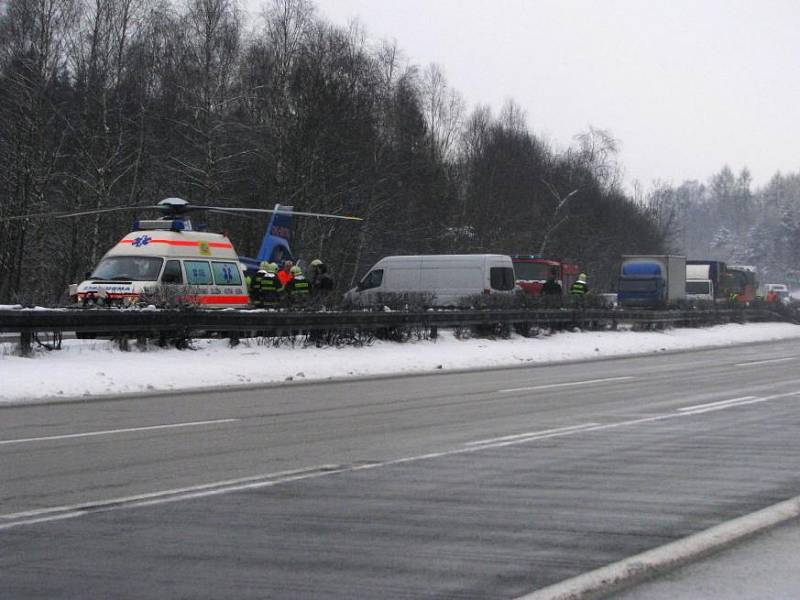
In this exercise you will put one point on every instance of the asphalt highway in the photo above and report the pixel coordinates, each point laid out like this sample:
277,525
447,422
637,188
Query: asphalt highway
490,484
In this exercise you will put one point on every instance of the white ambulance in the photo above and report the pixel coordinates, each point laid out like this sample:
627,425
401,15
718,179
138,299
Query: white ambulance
166,259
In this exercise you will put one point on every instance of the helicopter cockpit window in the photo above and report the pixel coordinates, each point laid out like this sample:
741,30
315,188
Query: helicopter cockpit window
128,268
198,272
172,272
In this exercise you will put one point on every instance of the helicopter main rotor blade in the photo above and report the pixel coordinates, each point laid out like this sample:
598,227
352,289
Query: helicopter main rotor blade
56,215
222,211
103,210
282,212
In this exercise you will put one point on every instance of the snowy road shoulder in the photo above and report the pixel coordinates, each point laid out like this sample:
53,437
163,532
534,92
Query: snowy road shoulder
90,368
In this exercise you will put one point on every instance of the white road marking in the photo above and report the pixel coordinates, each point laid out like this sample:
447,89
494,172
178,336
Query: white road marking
764,362
567,384
115,431
737,404
719,403
58,513
54,513
530,434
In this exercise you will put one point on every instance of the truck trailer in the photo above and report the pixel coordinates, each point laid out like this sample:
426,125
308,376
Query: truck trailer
651,280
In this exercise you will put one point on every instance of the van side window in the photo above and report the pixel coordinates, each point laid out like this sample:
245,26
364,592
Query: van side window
501,278
198,272
172,272
372,280
226,273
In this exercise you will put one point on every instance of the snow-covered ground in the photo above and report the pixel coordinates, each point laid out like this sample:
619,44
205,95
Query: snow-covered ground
86,368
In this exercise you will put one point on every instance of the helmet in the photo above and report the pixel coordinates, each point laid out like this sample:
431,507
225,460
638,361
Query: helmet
263,265
582,276
296,271
316,262
272,268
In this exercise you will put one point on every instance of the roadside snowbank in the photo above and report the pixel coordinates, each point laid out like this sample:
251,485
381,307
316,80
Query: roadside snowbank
97,367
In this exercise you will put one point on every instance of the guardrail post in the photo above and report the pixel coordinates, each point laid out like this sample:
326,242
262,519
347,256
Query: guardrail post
25,342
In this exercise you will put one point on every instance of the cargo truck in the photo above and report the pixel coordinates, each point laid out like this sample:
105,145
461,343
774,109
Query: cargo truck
705,280
651,280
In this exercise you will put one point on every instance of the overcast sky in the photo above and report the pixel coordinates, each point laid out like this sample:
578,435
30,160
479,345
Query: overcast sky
686,85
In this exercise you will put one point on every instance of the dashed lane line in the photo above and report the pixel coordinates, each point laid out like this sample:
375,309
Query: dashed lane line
765,362
720,403
115,431
565,384
530,435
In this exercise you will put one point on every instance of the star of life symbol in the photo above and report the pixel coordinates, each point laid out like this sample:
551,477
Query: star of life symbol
142,240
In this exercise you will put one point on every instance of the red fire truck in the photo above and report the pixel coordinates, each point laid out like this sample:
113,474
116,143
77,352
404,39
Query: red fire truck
531,271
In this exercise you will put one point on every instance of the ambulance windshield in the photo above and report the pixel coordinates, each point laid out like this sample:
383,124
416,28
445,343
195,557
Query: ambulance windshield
128,268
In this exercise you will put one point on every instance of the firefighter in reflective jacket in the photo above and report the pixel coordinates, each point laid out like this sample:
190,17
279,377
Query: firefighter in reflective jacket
266,289
298,288
579,288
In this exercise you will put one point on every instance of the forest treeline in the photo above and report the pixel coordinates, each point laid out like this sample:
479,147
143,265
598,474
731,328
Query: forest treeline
125,102
725,219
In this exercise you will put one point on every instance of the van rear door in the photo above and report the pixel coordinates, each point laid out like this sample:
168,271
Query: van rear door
501,274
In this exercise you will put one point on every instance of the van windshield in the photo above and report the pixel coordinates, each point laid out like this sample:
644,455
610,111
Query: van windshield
698,287
128,268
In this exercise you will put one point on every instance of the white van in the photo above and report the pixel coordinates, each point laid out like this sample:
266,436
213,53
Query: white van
448,278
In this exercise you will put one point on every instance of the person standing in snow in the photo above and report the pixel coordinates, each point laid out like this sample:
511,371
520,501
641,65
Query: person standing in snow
298,289
321,281
285,274
551,290
579,288
266,287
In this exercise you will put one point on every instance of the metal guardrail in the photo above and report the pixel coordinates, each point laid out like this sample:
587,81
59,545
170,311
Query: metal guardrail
241,323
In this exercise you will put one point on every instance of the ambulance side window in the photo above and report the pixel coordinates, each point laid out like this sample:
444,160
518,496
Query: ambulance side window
172,272
198,272
226,273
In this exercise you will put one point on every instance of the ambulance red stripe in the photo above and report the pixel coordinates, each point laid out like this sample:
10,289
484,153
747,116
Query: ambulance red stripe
205,299
223,299
183,243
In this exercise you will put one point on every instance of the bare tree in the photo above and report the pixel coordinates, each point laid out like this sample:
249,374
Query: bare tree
444,111
597,151
557,218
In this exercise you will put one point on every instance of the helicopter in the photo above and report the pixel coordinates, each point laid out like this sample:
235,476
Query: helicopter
169,255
